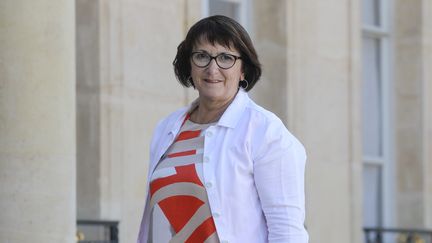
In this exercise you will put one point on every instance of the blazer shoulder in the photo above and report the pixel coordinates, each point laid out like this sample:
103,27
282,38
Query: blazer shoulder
265,116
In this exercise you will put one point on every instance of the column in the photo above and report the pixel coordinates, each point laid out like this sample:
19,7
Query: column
427,107
323,107
37,121
409,103
270,38
125,85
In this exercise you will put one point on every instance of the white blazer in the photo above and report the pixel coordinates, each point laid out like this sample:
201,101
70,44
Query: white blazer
253,171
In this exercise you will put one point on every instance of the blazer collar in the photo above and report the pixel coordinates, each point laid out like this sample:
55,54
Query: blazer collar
235,110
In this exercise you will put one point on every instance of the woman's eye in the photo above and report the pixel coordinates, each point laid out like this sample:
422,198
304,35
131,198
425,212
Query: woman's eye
226,58
201,56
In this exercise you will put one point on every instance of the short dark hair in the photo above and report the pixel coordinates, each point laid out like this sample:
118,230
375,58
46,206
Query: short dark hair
223,31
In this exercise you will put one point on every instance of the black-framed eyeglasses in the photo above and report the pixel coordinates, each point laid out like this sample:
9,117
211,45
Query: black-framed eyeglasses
223,60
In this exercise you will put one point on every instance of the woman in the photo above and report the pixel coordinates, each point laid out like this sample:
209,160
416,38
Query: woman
223,169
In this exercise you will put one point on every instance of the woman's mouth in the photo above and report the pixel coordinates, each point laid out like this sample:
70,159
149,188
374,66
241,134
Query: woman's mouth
211,80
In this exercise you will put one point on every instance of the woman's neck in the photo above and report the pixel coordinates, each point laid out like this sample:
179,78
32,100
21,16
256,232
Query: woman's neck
209,111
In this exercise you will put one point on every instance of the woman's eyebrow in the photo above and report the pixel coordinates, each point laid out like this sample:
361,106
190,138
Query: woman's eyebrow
200,50
222,52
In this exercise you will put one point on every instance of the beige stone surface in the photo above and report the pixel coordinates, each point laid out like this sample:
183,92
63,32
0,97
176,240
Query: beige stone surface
88,109
323,87
427,106
37,122
270,40
411,212
410,196
131,87
149,33
332,195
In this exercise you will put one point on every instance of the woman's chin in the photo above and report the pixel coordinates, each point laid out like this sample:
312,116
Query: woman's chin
212,95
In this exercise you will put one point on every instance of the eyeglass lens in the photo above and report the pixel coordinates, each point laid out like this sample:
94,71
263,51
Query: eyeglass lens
223,60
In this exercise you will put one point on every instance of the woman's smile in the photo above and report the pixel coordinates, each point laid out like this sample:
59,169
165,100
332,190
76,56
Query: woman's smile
212,80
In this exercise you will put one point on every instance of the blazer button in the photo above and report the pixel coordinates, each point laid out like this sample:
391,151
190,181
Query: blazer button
208,185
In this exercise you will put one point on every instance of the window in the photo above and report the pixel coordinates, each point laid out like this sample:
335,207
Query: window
236,9
377,138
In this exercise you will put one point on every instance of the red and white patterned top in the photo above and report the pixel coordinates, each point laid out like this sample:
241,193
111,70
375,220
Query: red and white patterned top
178,198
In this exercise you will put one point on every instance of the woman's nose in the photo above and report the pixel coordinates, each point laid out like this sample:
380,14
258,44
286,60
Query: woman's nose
213,67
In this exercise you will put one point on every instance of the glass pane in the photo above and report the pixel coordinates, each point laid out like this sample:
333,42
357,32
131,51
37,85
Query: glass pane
372,216
372,96
220,7
370,12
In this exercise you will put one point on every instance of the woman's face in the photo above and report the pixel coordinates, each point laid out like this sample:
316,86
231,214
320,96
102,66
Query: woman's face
212,82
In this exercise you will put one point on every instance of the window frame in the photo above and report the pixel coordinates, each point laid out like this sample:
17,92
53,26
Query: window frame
244,8
383,33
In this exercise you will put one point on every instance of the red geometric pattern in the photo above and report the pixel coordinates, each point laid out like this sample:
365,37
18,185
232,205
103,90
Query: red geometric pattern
185,173
179,209
203,231
184,153
187,135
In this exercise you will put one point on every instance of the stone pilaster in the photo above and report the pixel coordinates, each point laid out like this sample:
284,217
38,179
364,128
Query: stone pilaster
126,84
270,36
408,120
427,106
37,121
323,107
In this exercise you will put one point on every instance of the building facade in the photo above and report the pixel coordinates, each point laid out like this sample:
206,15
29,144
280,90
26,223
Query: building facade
83,84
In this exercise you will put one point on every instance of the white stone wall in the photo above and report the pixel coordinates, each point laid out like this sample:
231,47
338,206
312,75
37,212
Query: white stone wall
37,121
270,36
427,107
409,80
127,84
144,91
310,55
323,111
88,109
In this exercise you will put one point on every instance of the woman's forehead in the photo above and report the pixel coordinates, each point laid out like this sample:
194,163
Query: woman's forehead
204,41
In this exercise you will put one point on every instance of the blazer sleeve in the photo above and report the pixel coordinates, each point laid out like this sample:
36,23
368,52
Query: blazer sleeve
279,168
